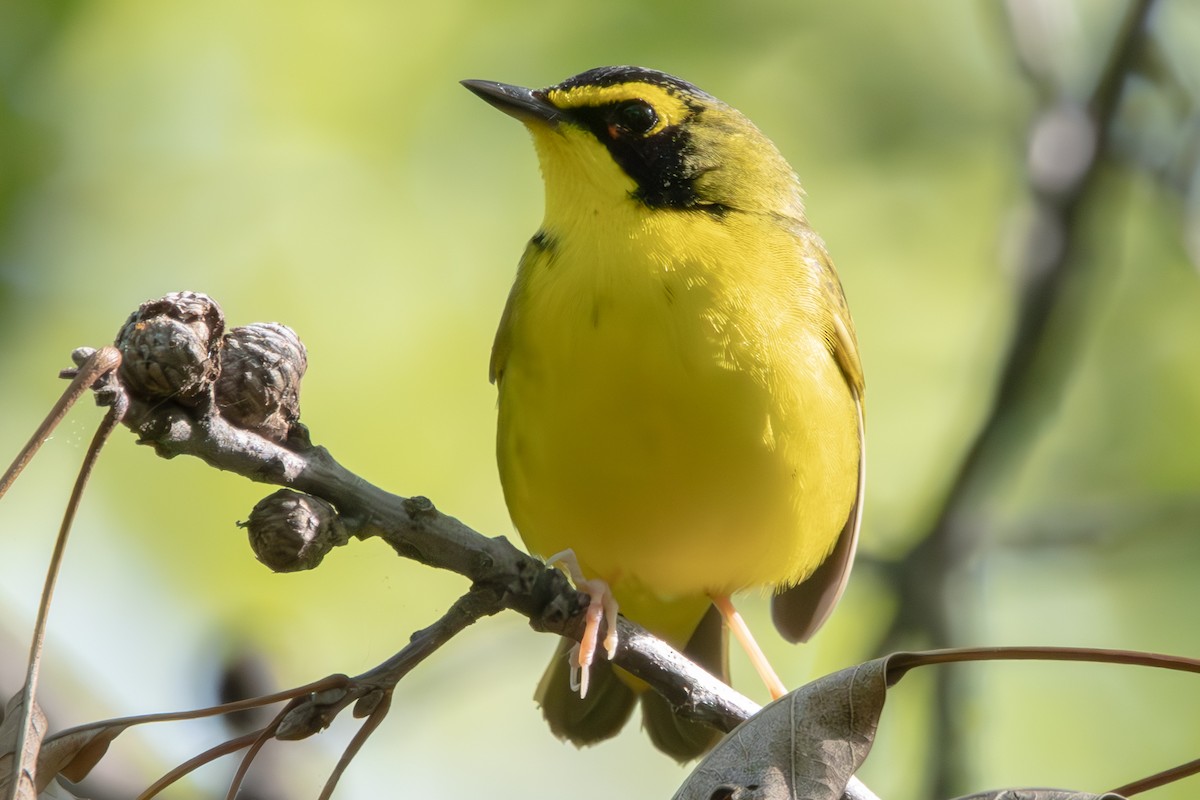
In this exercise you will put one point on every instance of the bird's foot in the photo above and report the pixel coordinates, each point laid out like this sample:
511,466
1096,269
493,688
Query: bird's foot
602,608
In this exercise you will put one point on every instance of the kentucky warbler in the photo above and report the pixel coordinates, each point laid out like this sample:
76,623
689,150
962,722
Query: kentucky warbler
680,387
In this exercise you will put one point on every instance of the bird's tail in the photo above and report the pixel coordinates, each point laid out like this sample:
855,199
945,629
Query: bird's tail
610,700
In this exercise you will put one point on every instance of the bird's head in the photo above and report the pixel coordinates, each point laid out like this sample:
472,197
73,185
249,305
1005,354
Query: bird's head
628,134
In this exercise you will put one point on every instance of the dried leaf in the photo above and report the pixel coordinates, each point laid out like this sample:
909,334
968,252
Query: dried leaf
806,744
10,731
74,753
71,755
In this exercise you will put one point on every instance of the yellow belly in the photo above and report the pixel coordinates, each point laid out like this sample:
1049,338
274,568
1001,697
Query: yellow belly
684,436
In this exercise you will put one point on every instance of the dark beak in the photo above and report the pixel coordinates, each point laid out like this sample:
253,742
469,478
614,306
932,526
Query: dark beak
516,101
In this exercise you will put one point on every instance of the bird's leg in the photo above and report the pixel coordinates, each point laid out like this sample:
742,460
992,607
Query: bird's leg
735,623
601,608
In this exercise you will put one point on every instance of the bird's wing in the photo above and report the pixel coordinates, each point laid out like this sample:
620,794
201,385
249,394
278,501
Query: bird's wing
502,345
799,611
843,343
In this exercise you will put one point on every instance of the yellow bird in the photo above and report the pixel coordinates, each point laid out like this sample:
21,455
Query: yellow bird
680,402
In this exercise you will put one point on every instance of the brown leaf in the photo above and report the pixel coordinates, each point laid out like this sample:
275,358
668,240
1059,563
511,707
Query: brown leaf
807,744
10,730
73,754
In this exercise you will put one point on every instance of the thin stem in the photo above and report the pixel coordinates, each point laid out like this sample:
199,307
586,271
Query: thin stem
1159,779
101,362
472,606
29,695
261,737
901,663
360,738
209,755
330,682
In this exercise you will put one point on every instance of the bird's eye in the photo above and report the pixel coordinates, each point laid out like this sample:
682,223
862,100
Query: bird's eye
636,116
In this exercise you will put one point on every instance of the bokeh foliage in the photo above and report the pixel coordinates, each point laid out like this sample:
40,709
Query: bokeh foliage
316,164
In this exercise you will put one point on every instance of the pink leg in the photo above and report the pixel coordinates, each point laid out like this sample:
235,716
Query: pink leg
602,608
735,623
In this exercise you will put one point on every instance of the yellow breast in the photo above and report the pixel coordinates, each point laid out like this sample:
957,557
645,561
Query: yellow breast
669,405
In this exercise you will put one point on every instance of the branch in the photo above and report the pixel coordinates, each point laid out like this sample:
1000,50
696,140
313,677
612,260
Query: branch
232,401
416,529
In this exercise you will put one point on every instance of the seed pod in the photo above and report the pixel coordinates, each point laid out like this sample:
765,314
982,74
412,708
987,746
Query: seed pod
258,387
169,347
291,532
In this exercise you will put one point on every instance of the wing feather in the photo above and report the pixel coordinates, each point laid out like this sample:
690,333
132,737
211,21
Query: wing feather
799,611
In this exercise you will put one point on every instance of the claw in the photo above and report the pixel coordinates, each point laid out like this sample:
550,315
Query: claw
602,608
579,678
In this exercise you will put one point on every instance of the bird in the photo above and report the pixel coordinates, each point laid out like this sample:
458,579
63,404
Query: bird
680,394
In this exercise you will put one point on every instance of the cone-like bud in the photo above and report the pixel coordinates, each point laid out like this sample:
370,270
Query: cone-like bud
169,347
290,531
259,383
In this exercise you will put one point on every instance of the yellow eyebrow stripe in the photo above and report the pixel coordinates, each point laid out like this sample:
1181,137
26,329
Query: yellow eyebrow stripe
671,109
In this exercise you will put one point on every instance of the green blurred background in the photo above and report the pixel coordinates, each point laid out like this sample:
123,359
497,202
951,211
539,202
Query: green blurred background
317,164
